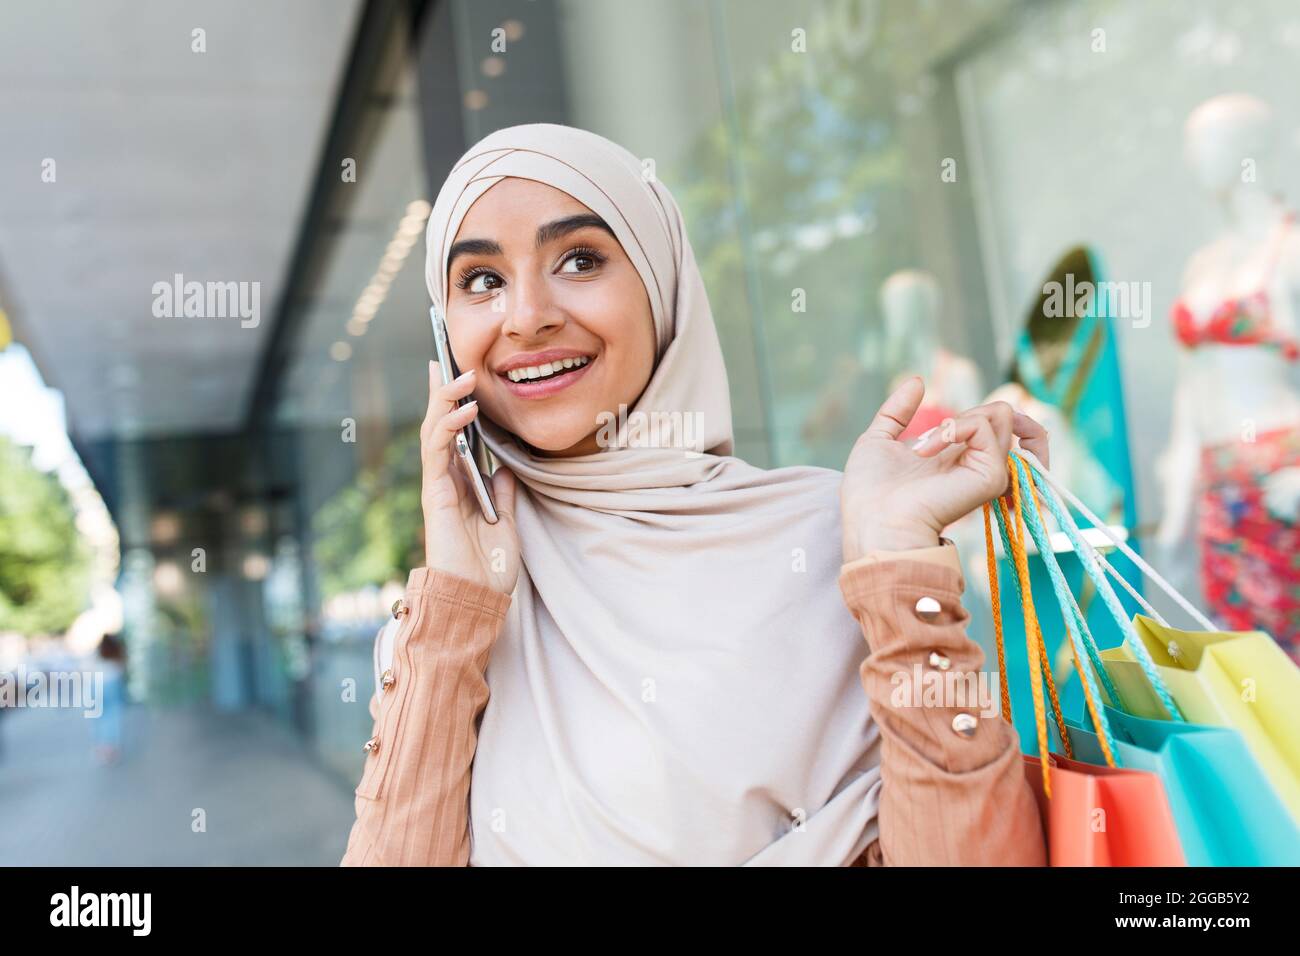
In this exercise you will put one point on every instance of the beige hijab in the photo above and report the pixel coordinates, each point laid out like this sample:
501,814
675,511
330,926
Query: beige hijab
677,678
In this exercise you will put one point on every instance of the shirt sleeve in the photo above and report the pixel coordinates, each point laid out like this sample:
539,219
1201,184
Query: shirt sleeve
412,803
953,790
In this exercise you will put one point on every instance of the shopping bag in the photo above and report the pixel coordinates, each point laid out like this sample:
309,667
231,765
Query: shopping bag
1092,815
1104,816
1237,679
1225,811
1056,644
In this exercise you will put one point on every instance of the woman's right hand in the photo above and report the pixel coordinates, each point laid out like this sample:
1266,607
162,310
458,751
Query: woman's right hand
457,538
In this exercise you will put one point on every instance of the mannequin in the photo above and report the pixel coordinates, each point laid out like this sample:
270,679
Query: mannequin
1236,417
910,302
1061,370
1065,374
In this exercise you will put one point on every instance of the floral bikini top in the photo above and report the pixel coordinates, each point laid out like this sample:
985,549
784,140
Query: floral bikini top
1241,320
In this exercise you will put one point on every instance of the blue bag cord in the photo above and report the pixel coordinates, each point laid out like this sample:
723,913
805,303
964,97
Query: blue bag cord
1064,596
1069,604
1006,544
1040,677
1107,593
1066,599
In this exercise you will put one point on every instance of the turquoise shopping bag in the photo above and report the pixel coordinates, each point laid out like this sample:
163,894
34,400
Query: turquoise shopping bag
1104,631
1226,812
1224,806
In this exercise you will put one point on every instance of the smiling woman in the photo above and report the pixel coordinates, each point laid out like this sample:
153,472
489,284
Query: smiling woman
647,660
541,310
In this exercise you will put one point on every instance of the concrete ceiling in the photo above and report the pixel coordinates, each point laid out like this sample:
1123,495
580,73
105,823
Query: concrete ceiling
166,161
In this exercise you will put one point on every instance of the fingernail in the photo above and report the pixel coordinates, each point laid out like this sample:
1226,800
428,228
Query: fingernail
465,376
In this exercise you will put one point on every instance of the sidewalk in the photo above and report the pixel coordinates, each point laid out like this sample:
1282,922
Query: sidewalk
265,801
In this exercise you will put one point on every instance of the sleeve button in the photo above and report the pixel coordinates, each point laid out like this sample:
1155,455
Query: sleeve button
964,725
400,607
388,680
928,609
372,746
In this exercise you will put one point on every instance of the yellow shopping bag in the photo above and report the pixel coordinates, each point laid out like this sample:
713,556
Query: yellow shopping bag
1237,679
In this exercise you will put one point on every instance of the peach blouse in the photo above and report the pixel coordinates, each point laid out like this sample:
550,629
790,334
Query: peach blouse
953,789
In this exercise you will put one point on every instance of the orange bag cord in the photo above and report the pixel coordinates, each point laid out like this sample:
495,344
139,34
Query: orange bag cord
1031,626
1038,630
1078,666
997,611
1036,647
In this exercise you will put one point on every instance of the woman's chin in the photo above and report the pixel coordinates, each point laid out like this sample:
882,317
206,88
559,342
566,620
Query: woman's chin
559,441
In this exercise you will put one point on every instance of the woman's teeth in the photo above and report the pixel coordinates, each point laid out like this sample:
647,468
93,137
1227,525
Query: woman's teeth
547,370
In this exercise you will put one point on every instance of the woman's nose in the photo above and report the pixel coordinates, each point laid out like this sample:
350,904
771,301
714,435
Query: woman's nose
530,309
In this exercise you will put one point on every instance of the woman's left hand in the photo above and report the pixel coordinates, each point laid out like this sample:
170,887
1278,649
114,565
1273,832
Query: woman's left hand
896,496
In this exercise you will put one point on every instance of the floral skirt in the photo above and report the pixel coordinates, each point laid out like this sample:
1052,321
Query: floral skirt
1250,558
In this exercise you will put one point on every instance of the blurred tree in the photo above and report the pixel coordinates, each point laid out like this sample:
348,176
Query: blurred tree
44,563
802,183
371,531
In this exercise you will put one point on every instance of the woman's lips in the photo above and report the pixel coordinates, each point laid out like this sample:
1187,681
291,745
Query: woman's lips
547,387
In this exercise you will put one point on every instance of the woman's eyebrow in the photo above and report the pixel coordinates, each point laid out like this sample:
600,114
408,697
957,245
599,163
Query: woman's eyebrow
473,247
562,227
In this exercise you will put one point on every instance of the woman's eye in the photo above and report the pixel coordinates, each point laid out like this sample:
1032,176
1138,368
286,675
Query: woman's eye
578,263
484,282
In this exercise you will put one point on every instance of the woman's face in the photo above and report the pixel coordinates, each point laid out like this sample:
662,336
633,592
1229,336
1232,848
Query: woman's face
533,277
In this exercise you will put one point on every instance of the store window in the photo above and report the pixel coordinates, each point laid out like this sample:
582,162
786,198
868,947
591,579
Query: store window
349,410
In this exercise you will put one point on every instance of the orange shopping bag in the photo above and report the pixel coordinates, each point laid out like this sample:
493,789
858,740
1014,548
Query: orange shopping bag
1104,816
1092,816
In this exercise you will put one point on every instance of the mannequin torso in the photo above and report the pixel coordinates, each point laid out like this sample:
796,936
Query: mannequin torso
910,302
1234,460
1228,389
1236,387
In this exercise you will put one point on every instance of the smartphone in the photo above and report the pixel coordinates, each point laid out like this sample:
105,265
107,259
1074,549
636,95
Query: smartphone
470,450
